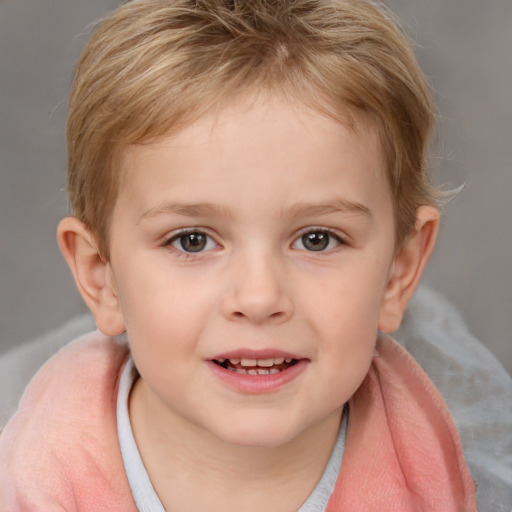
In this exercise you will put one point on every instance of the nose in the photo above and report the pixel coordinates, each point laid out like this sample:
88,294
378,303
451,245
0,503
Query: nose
258,291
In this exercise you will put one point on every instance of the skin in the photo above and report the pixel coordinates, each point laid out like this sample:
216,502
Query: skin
253,180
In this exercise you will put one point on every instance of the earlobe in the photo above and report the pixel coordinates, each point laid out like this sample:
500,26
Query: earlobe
92,273
408,267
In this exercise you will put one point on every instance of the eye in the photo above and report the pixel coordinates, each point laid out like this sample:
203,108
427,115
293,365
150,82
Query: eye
192,241
318,240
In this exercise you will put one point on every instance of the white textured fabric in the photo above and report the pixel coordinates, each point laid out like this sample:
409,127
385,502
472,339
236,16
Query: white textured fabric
143,492
19,365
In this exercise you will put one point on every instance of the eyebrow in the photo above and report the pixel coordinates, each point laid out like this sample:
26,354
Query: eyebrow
188,210
338,205
297,210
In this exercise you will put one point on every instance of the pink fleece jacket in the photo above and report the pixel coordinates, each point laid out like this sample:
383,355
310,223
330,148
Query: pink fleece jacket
60,452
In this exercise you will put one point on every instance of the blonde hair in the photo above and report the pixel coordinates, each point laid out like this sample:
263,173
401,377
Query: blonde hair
153,66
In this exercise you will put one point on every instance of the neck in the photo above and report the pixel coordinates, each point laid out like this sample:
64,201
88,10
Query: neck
191,469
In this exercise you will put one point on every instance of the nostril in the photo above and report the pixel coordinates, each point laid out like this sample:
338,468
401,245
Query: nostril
257,308
273,316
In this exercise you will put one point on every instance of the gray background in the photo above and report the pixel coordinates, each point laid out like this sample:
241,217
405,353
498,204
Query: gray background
465,49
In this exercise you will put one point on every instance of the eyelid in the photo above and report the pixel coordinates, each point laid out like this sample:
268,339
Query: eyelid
176,234
331,231
340,238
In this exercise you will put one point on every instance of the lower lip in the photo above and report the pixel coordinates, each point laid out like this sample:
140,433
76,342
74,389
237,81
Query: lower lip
257,384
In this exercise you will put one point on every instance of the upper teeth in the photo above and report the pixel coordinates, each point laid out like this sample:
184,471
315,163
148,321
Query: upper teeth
265,363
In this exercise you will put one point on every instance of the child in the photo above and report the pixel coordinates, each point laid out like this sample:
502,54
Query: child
252,207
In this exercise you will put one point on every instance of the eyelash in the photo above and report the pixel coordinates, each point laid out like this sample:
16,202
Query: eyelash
182,233
331,236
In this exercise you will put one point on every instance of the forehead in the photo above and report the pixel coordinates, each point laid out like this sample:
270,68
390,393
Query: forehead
259,148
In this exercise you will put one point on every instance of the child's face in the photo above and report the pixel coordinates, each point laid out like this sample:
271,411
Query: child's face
264,233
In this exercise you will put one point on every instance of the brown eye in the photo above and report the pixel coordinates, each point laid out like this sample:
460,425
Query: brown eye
193,241
316,241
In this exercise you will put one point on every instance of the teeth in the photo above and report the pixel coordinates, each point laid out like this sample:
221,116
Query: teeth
256,371
255,366
264,363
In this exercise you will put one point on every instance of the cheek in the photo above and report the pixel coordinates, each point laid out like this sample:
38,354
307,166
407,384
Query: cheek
349,298
164,326
151,285
344,313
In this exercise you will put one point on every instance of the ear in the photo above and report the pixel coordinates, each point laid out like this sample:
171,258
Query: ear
93,275
408,267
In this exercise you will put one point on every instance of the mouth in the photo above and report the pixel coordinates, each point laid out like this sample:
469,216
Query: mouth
255,367
255,372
